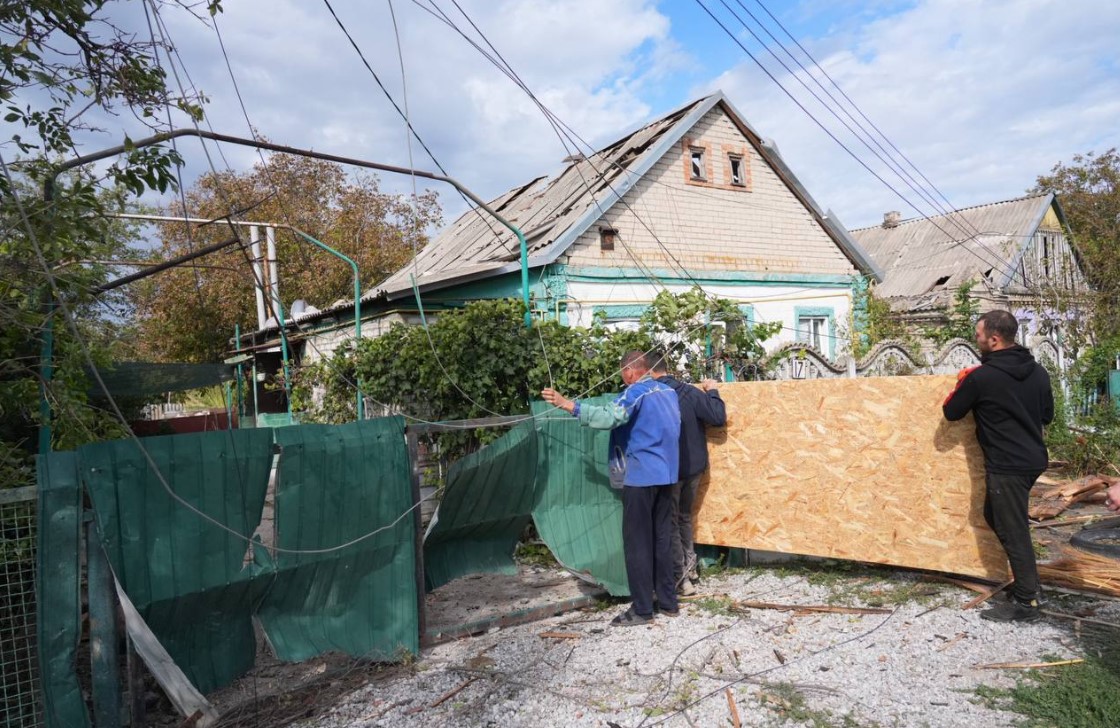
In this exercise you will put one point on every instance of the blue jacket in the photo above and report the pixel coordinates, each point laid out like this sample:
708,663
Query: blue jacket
645,425
698,409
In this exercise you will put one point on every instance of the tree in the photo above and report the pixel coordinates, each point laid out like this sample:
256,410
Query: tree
60,62
1089,192
189,314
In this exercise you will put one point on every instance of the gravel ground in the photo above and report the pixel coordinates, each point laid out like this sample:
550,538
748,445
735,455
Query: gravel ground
914,666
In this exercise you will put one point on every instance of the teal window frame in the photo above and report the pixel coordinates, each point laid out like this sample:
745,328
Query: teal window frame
827,312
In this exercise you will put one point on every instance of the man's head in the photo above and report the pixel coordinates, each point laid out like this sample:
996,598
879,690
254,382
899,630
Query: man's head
655,361
996,330
634,366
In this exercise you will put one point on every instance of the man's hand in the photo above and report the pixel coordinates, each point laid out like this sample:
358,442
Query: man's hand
708,384
1112,498
558,400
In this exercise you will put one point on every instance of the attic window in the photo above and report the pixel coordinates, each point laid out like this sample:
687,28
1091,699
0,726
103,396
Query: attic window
942,281
696,159
735,161
607,237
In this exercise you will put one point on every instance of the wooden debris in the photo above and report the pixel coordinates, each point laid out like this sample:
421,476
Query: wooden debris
1026,665
1078,620
561,635
453,692
991,592
734,710
1069,521
815,608
976,586
954,640
780,656
1077,569
1053,501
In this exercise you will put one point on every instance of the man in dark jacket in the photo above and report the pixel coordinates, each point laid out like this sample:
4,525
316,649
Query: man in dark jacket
1009,395
699,407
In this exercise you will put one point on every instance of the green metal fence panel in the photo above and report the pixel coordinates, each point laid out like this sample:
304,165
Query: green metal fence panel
578,514
186,575
337,484
487,504
59,581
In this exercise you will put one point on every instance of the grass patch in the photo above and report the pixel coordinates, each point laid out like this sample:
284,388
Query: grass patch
721,606
852,583
1085,695
534,553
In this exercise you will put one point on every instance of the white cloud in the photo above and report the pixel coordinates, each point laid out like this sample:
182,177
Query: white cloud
983,97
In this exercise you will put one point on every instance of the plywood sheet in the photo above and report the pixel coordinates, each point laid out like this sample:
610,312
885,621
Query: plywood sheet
865,469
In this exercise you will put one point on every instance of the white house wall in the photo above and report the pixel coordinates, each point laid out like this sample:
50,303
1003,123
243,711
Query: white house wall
768,303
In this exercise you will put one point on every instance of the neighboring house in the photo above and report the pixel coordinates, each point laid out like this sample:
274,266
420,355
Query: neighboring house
696,197
1016,254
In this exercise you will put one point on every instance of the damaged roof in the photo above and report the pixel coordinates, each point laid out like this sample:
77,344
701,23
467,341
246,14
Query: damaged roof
927,256
552,214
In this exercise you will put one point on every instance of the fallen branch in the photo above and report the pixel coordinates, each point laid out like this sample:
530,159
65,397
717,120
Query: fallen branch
1068,521
1025,665
561,635
453,692
820,608
1090,620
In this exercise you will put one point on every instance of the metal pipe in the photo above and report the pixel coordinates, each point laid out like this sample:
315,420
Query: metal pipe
258,274
203,134
273,267
357,302
159,267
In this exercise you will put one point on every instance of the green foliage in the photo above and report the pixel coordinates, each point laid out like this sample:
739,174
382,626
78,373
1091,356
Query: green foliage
1086,428
1084,695
481,360
61,60
875,323
962,315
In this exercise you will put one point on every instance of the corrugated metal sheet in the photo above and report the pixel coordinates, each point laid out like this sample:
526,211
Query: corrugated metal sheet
578,514
184,574
59,609
485,508
338,483
918,253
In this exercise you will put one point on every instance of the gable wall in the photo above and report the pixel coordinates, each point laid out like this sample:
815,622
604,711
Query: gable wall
761,227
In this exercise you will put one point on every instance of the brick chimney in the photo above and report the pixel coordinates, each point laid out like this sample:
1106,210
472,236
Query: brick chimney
892,219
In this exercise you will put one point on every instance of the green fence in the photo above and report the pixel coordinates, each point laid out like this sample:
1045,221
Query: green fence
19,676
577,513
343,499
487,503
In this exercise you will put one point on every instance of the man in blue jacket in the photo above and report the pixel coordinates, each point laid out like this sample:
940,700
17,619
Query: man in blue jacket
1009,394
700,406
645,424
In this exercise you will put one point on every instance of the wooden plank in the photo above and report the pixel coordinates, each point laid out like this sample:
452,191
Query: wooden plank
821,608
182,694
104,653
863,469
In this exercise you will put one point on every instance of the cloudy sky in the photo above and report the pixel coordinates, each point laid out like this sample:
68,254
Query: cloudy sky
981,96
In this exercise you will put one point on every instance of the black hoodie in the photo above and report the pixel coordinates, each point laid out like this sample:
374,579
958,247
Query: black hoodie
698,408
1009,395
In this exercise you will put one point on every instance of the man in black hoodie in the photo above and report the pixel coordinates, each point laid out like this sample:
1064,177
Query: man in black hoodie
1009,395
699,407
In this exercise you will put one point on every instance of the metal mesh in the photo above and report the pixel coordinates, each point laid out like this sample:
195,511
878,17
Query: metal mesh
19,674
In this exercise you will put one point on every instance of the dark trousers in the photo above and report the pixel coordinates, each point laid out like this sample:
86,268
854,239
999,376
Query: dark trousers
684,495
647,522
1005,510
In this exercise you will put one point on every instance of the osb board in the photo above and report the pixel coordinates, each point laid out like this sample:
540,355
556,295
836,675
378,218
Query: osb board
865,469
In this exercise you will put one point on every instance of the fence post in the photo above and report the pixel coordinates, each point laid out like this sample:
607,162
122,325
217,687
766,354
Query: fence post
103,635
413,439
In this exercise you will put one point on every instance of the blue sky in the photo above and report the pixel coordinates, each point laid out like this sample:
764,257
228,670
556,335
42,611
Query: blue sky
982,96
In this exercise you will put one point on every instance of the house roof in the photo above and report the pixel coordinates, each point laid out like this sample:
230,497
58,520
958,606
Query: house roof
552,214
926,256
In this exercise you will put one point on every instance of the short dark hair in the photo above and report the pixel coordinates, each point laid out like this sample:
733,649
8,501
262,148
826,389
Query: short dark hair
634,359
655,360
1001,324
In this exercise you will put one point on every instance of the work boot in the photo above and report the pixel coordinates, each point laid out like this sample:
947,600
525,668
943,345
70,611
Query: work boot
1014,611
686,588
630,618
